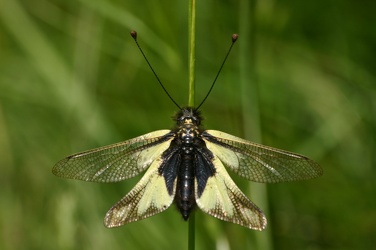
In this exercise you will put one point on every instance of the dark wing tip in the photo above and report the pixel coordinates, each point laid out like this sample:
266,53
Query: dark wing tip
313,169
58,168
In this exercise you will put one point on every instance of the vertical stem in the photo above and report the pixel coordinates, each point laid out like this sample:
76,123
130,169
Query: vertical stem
191,95
191,232
250,103
191,51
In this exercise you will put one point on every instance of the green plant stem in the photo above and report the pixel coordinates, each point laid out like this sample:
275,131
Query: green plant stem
191,93
191,232
191,51
250,103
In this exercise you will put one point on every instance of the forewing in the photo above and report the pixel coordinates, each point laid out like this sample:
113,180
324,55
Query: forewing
222,199
259,163
149,197
115,162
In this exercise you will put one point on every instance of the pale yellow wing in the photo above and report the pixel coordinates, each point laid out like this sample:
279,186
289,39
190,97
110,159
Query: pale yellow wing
222,199
149,197
115,162
259,163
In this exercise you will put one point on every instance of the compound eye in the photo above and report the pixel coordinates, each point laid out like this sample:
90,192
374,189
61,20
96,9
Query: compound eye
196,121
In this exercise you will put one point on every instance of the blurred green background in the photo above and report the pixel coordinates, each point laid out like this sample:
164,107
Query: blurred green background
301,77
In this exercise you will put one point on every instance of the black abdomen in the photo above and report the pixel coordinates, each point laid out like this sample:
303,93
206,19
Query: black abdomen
185,197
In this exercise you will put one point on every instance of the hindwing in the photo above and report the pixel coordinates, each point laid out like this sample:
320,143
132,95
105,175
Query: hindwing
149,197
222,199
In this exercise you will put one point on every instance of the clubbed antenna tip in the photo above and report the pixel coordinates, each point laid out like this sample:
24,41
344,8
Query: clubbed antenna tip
134,34
234,37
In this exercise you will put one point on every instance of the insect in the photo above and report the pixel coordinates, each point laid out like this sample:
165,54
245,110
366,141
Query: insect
186,166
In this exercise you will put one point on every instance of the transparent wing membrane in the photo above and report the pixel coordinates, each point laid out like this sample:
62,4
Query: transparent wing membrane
257,162
115,162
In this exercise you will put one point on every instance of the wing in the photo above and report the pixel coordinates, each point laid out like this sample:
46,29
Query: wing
149,197
222,199
115,162
257,162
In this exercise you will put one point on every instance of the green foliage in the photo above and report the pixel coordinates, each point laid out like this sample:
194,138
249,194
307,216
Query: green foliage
71,79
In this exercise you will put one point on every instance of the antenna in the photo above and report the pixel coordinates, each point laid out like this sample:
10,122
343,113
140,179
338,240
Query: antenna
234,38
134,35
